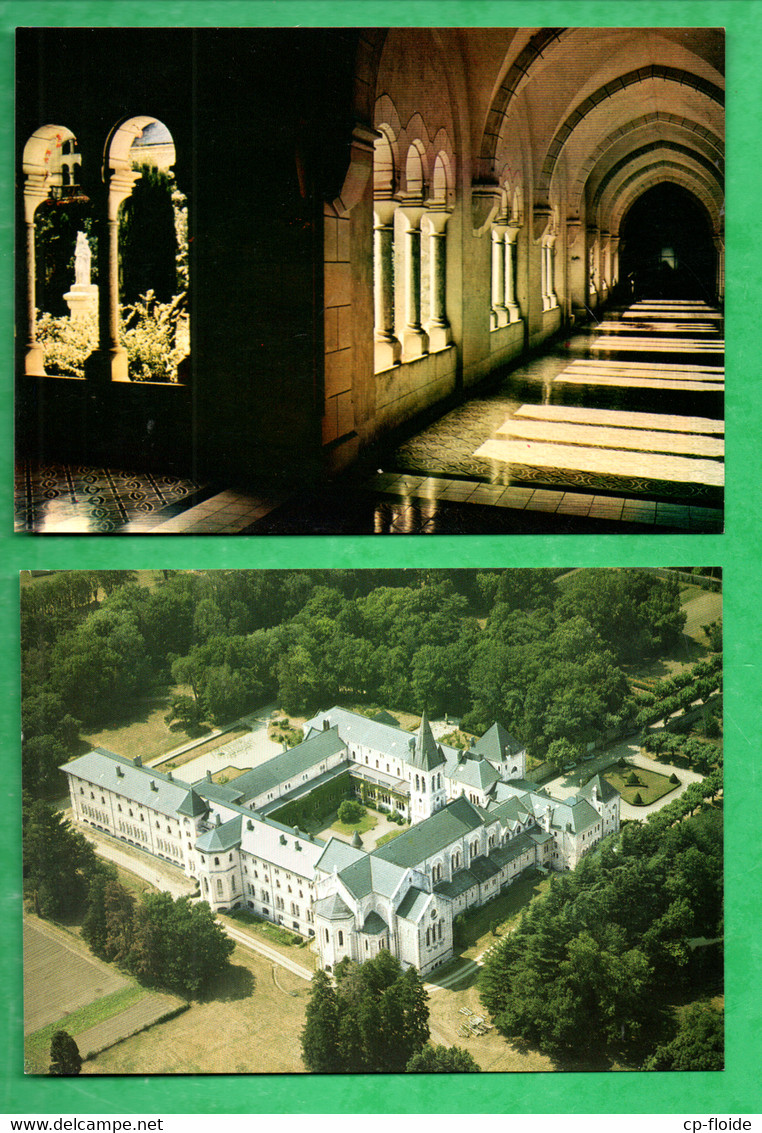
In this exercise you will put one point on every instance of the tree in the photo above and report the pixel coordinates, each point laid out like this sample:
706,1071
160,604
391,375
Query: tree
320,1044
177,945
57,862
350,811
65,1059
442,1060
698,1044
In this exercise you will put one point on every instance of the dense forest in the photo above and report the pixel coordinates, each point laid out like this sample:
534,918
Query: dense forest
541,651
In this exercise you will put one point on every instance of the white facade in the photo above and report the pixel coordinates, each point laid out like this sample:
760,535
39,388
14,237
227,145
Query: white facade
475,826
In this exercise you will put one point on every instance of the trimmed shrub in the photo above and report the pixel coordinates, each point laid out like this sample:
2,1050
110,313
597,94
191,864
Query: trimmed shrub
350,811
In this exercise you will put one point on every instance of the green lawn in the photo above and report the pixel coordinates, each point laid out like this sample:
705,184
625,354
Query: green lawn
367,822
505,910
388,837
37,1045
652,784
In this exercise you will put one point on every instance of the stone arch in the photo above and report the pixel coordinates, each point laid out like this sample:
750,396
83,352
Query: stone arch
416,172
384,166
660,171
680,123
49,163
652,147
515,77
615,86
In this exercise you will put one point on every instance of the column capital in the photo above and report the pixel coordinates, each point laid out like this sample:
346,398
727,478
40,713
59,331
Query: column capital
437,216
486,200
412,212
384,210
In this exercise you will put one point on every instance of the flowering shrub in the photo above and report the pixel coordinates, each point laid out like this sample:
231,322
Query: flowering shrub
66,342
149,335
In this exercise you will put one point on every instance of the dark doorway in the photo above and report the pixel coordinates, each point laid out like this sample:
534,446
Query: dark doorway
667,250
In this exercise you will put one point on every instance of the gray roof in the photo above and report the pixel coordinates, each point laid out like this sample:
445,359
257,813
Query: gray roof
372,875
427,754
472,773
433,834
573,814
605,791
192,805
288,765
332,908
144,786
337,855
461,882
413,904
226,836
374,925
498,745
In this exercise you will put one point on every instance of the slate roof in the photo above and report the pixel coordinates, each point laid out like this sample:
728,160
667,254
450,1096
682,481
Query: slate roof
427,754
372,875
462,881
413,904
145,786
472,773
605,791
374,925
332,908
288,766
574,814
338,854
498,745
484,868
433,834
226,836
193,806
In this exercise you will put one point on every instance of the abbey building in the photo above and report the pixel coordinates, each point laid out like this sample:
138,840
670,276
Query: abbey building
475,825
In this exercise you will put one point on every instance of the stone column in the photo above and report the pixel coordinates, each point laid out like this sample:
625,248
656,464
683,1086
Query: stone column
614,260
415,341
388,349
109,363
719,245
511,302
550,252
499,312
34,363
437,327
592,246
577,271
605,262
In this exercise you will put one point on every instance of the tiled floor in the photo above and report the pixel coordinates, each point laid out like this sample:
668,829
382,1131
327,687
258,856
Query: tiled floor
617,429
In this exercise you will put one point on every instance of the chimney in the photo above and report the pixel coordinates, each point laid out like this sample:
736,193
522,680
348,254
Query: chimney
208,776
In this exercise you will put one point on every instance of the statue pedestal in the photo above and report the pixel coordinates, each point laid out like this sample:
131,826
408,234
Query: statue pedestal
82,300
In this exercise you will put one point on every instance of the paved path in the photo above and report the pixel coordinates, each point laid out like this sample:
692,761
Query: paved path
270,954
629,749
162,875
249,751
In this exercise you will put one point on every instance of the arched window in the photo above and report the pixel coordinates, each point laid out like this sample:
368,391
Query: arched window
147,256
341,939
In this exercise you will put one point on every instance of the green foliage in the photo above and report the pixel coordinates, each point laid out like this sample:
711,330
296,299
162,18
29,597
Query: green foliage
149,335
148,243
583,970
177,945
442,1060
632,779
65,1058
57,862
56,226
350,811
638,800
374,1021
66,342
697,1045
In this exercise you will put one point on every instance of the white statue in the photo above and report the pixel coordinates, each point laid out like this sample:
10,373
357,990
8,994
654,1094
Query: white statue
82,259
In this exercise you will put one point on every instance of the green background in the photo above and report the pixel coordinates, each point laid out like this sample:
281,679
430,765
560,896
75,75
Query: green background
737,1089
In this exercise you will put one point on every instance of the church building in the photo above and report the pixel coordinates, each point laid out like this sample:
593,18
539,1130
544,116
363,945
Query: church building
475,825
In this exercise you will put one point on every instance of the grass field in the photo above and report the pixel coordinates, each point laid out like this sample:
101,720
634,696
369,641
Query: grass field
504,911
252,1026
652,785
388,837
368,821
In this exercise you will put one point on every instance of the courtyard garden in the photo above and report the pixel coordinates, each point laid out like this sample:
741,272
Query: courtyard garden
637,786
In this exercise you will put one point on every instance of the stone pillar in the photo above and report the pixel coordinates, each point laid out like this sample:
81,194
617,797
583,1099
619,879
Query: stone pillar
719,245
499,312
415,341
605,262
551,283
109,363
437,327
614,260
576,287
388,349
34,363
511,302
592,245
